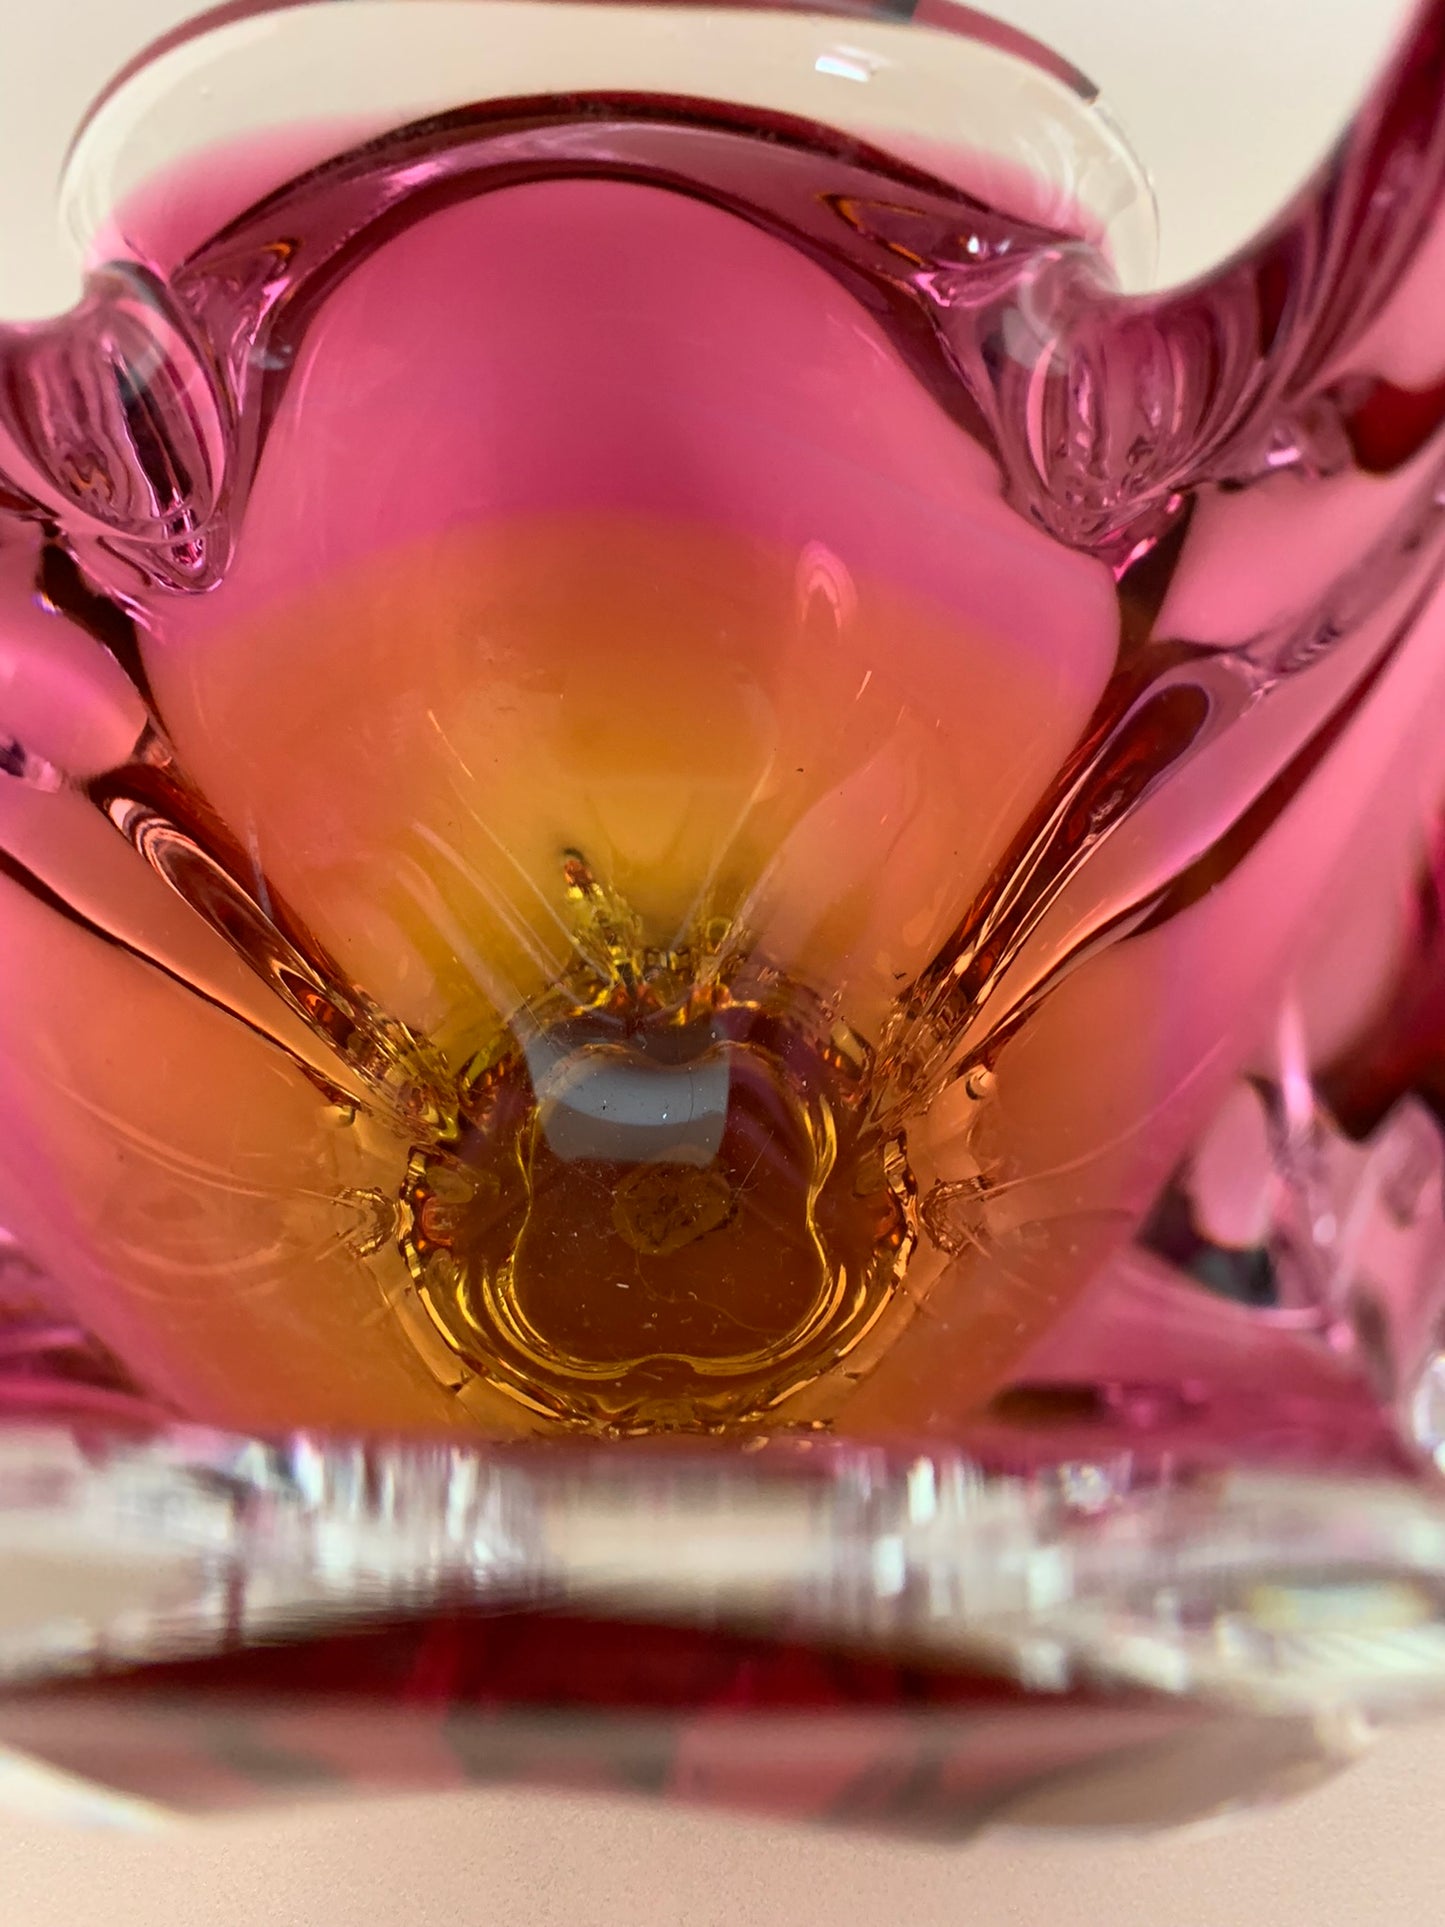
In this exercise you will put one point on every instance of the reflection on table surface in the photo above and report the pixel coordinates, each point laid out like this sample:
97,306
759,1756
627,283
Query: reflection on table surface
1361,1852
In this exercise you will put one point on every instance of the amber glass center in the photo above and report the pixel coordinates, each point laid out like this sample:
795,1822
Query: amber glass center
664,1206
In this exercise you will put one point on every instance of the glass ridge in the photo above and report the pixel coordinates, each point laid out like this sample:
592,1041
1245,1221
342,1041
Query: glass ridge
723,987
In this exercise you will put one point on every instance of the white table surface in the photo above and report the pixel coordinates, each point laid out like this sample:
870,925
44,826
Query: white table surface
1364,1852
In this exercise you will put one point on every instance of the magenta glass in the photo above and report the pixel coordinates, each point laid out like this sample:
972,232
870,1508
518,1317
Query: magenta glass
685,787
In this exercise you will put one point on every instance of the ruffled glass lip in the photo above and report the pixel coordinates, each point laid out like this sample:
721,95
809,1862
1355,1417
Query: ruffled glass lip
334,74
827,1636
1207,1493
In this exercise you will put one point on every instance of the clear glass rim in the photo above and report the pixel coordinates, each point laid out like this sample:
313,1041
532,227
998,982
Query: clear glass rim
314,69
955,18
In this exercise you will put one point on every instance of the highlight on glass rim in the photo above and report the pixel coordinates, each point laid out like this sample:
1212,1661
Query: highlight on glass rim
722,861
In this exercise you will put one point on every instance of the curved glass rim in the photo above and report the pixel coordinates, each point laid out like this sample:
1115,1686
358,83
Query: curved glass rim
953,17
254,68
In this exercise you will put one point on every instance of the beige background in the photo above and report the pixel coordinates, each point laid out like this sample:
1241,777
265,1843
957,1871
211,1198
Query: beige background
1366,1852
1227,120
